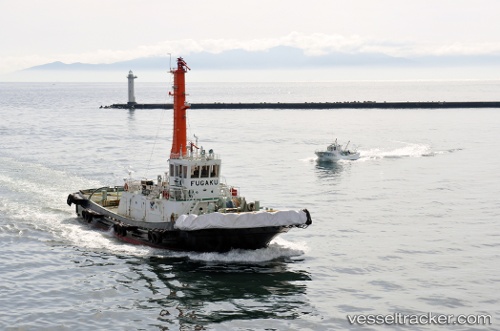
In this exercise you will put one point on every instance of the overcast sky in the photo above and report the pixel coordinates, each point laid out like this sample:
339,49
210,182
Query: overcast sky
34,32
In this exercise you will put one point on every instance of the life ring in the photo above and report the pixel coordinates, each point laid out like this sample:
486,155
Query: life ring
166,195
125,187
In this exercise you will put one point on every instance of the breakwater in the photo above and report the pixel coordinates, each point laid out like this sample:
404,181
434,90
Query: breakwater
322,105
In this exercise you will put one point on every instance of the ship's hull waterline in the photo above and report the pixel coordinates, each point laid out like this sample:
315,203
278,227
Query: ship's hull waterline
165,235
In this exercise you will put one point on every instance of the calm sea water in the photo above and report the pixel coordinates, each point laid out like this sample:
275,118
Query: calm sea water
412,227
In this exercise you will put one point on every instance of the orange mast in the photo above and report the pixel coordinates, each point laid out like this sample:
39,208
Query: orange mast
180,106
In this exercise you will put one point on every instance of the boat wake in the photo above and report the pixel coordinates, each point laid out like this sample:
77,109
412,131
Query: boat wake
46,217
101,241
279,249
409,150
79,236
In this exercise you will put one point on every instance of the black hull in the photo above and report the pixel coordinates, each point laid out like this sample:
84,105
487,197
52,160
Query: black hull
223,240
206,240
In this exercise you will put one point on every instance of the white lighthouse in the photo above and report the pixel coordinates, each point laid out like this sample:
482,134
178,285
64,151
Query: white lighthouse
131,95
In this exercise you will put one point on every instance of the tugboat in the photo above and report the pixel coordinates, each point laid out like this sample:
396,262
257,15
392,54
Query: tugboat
335,152
188,208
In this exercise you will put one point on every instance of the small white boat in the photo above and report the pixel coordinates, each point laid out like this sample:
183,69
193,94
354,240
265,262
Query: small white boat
335,152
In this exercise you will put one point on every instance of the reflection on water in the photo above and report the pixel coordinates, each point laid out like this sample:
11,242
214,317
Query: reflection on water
328,169
201,293
131,114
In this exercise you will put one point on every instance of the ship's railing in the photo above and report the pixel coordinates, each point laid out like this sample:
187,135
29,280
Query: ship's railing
155,191
179,193
146,187
106,196
204,206
133,186
227,191
197,155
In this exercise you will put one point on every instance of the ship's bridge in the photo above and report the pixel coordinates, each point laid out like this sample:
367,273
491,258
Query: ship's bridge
198,173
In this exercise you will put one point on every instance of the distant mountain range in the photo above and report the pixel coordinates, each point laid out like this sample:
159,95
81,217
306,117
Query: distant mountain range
242,65
274,58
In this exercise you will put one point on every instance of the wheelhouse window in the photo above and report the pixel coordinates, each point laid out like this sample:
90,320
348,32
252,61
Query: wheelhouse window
205,171
195,172
214,171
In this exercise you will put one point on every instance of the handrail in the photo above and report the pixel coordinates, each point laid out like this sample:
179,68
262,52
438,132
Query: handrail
100,188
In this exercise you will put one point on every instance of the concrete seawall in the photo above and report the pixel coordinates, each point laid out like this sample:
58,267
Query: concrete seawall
323,105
